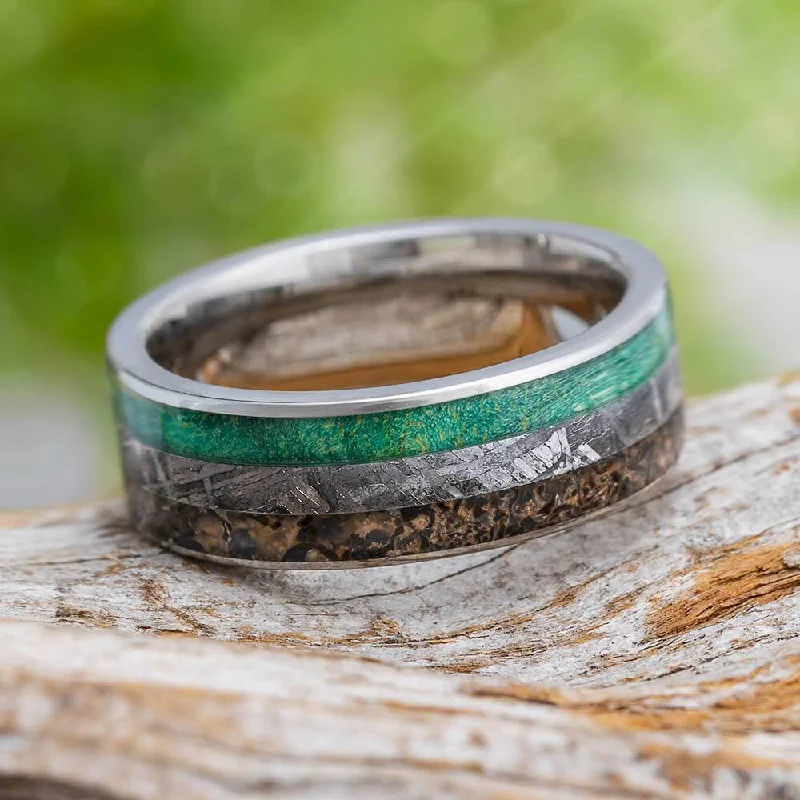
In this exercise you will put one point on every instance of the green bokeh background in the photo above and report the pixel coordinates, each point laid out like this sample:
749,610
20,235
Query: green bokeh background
139,138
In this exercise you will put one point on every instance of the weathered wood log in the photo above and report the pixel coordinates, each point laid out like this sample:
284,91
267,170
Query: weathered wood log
651,652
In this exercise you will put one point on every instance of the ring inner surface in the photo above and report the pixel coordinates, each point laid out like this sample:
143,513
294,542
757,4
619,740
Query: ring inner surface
389,314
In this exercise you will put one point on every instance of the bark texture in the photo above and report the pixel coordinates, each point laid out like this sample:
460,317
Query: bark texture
650,652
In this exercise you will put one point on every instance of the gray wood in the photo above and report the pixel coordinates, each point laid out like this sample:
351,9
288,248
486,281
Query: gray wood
653,652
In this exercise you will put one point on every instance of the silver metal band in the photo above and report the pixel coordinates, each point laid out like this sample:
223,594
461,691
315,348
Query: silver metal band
401,483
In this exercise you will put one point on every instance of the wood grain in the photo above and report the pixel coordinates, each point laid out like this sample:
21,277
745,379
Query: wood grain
653,652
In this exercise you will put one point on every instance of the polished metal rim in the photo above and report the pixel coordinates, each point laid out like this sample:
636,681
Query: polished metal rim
288,262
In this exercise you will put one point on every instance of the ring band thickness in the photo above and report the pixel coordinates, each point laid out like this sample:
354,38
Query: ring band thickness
412,470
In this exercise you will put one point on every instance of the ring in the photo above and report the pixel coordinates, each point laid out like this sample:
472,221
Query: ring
261,420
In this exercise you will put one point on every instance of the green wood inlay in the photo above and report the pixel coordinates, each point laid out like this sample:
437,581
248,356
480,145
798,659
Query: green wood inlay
407,432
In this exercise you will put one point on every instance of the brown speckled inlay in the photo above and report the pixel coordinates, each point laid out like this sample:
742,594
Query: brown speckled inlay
410,531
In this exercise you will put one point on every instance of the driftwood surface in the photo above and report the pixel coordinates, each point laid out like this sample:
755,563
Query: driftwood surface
651,652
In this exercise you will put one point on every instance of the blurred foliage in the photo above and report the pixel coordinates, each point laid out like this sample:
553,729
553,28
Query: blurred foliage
139,138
